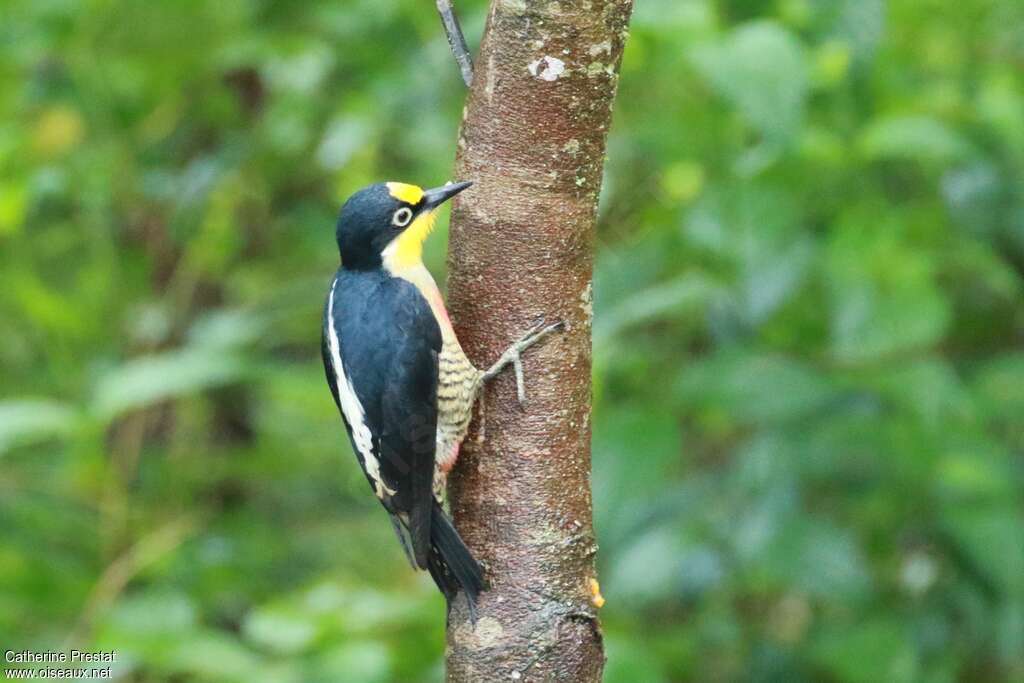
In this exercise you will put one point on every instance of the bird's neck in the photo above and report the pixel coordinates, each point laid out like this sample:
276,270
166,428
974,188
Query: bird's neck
404,258
423,281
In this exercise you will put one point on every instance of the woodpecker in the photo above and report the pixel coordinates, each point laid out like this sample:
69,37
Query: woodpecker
402,383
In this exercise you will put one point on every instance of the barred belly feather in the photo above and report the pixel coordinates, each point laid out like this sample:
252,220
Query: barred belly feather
457,388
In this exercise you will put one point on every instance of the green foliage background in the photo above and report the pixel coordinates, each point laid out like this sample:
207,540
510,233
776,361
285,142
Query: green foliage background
809,420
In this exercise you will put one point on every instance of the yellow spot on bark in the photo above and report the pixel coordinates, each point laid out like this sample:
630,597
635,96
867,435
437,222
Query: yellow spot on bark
595,594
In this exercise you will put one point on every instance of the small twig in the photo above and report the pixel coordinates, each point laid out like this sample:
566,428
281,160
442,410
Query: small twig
456,40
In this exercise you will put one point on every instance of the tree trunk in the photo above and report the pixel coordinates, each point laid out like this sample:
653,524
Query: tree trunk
521,249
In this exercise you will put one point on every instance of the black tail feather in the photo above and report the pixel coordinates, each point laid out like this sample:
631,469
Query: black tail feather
451,564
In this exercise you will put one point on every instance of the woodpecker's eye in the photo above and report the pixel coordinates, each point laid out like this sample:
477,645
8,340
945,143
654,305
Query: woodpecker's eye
402,217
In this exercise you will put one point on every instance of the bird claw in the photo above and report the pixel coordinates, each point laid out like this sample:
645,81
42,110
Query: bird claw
541,328
514,354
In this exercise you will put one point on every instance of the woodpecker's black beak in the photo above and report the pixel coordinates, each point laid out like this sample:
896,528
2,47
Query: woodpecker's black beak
439,195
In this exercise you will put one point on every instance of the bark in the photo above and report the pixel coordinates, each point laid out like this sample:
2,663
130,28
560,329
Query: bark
521,249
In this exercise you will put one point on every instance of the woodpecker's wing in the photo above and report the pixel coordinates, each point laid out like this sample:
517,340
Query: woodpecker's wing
408,436
380,348
332,381
329,370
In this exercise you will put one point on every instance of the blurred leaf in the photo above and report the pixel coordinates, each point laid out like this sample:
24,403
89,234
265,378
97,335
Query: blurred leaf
885,297
743,222
815,558
216,657
913,138
974,194
683,181
1000,385
618,476
343,138
368,609
649,569
753,387
760,68
225,329
771,281
671,18
868,652
991,539
831,63
58,130
929,388
145,627
279,629
26,421
999,103
13,204
668,300
630,661
755,230
967,473
132,616
143,381
302,72
868,325
861,23
357,660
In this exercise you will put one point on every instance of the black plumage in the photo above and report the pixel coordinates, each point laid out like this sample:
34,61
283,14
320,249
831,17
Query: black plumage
389,343
384,334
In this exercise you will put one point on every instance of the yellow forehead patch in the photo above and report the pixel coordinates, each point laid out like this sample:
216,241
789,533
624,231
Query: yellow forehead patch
410,194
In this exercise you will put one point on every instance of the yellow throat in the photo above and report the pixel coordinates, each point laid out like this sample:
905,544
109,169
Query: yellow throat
406,250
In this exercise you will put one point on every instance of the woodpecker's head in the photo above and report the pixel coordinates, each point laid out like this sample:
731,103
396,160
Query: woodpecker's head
385,225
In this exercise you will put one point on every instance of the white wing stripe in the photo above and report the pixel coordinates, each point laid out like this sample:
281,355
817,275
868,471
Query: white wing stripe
350,405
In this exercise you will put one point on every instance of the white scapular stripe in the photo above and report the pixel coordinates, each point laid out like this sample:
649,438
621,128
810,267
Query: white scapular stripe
351,406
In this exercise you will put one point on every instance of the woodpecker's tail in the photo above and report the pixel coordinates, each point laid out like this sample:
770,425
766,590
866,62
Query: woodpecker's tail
450,563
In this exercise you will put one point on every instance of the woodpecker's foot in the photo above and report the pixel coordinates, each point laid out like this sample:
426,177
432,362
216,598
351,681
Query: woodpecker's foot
514,355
